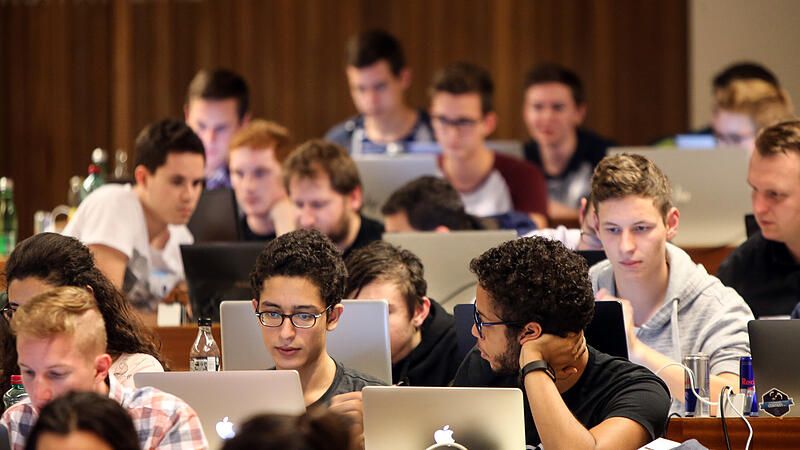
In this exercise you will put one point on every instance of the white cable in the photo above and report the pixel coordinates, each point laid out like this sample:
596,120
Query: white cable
739,413
691,382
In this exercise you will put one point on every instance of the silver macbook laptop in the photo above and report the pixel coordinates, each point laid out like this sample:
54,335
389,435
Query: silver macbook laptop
418,417
709,188
381,175
224,400
360,340
775,346
446,258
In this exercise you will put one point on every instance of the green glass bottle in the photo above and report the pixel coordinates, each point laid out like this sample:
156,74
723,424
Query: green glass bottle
93,181
16,393
9,225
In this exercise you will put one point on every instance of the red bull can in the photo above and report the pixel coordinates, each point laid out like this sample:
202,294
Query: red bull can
747,386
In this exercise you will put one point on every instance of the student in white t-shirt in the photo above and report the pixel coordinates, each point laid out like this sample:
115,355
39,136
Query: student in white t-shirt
135,231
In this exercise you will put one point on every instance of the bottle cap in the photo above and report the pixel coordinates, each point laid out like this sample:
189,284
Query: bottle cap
6,184
94,168
204,321
16,379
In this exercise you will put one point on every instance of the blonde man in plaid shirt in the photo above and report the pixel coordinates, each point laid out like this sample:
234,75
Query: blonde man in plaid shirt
61,343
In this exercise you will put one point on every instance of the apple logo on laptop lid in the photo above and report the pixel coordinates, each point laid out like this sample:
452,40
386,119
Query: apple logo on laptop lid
225,429
444,439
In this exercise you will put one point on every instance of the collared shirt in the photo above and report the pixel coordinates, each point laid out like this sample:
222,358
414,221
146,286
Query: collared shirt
162,420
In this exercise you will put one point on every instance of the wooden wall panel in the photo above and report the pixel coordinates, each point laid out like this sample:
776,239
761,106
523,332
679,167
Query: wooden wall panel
82,74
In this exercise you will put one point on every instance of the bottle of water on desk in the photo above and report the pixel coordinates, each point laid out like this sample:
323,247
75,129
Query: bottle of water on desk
93,181
17,392
8,217
204,356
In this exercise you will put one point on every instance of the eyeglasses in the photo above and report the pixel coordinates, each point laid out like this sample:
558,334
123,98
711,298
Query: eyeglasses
591,240
461,124
479,324
274,319
9,308
731,139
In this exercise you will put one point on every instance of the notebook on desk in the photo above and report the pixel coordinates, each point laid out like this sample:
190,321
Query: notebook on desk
709,188
360,340
775,348
225,400
218,271
446,257
418,417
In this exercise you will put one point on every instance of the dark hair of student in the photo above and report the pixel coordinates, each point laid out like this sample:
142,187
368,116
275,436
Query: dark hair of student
744,70
317,429
371,46
63,261
780,138
381,261
317,158
88,412
220,84
553,73
465,78
307,254
161,138
537,280
430,202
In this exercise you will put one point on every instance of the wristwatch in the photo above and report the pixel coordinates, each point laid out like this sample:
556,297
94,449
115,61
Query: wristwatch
538,365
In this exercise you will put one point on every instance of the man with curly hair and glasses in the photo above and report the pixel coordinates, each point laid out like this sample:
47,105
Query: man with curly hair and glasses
532,304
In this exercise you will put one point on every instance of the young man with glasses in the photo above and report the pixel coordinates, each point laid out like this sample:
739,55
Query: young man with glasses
463,117
532,304
298,283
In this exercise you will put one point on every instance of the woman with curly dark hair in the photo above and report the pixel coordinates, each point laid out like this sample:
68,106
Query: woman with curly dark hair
50,260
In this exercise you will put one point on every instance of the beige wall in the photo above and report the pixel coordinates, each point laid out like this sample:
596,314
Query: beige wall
723,31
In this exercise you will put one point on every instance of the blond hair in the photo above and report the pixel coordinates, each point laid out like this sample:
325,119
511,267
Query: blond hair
69,311
620,176
764,103
779,138
262,134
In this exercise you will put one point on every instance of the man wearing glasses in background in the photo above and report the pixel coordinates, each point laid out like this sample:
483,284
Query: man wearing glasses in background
463,117
298,283
533,302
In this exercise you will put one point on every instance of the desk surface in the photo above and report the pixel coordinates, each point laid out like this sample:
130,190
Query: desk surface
768,432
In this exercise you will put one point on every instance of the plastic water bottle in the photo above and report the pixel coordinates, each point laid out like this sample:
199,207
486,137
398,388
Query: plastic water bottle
8,217
93,181
204,356
17,392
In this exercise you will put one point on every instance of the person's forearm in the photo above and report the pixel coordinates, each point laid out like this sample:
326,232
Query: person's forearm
556,425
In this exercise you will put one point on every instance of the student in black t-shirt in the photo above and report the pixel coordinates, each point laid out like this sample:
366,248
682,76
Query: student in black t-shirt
324,185
554,107
423,339
255,156
533,301
298,282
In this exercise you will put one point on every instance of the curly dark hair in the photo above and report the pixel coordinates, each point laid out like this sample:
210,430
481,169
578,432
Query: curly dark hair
537,280
89,412
302,253
65,261
382,261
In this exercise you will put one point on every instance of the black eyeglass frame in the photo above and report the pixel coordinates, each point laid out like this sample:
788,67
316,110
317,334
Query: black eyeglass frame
479,323
291,318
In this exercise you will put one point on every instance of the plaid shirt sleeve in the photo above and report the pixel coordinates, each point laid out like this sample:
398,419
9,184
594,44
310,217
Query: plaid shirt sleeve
164,421
19,420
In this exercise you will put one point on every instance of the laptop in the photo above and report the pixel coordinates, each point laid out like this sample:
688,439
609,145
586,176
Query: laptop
381,175
606,331
775,346
446,258
592,257
709,188
360,340
215,218
218,271
224,400
419,417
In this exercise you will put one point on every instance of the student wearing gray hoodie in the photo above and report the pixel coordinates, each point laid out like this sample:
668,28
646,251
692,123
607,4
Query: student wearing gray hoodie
673,307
